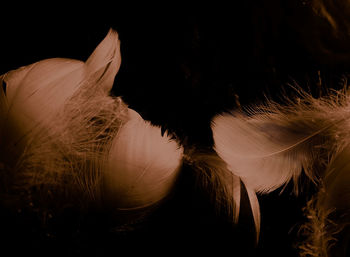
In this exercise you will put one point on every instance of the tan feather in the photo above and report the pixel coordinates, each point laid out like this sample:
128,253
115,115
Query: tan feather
37,92
56,110
272,144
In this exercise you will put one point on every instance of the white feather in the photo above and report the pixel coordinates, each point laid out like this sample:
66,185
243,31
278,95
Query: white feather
105,58
37,92
80,140
55,113
264,154
142,165
31,99
273,143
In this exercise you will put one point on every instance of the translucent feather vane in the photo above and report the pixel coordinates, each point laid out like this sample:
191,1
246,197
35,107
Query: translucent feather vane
273,143
63,133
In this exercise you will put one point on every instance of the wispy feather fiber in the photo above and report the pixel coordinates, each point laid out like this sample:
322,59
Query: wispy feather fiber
68,135
272,144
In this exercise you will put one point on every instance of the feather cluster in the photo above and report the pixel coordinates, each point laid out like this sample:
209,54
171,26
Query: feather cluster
272,144
142,166
63,132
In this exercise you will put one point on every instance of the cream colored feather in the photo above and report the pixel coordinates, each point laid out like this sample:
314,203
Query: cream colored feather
273,143
25,104
45,107
79,141
263,152
36,93
142,166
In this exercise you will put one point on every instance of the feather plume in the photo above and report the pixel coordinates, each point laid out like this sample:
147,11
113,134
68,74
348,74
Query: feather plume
58,117
142,165
31,99
105,61
259,152
86,142
37,92
271,144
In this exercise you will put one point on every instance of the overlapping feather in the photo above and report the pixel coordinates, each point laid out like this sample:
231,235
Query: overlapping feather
24,107
272,144
76,139
56,115
64,131
142,165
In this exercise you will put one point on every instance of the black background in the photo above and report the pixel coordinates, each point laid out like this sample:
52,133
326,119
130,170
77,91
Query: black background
180,67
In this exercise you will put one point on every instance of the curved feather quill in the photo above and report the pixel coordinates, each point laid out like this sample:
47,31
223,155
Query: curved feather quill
45,98
142,165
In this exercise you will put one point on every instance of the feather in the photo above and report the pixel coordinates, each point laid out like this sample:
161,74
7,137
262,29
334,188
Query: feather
105,59
37,92
271,144
86,142
57,114
31,99
259,152
254,204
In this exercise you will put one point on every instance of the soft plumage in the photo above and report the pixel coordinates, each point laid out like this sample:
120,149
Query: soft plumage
142,166
78,141
36,93
63,133
273,143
